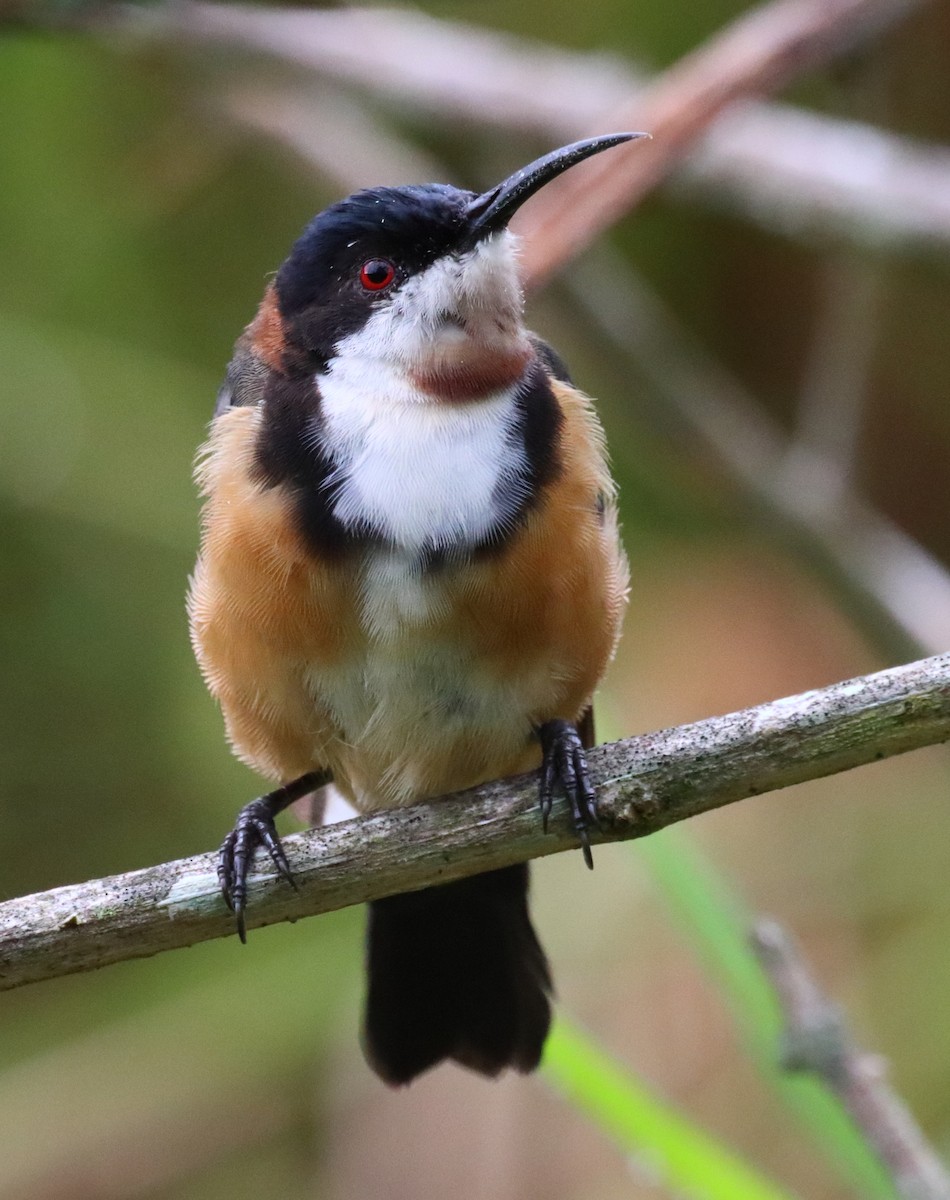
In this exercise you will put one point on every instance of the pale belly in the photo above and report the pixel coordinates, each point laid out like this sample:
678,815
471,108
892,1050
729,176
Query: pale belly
419,714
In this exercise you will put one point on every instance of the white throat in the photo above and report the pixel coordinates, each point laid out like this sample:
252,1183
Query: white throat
426,469
422,474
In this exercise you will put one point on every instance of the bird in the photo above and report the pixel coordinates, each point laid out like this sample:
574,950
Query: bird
410,581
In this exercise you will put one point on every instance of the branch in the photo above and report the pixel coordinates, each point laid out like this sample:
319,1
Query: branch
644,784
817,1040
789,170
758,53
802,175
894,585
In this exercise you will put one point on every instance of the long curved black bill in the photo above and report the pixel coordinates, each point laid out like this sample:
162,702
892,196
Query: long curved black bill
493,209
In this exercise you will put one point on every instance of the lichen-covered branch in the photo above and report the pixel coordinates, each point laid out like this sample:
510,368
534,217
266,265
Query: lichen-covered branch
817,1040
644,784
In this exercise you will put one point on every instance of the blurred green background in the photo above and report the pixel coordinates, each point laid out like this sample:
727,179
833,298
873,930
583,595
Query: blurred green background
138,226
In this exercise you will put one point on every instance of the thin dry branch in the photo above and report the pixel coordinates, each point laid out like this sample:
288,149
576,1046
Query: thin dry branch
791,171
758,53
644,784
894,585
348,144
817,1040
837,380
805,176
462,72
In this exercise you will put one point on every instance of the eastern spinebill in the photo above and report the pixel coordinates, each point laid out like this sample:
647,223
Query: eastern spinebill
411,580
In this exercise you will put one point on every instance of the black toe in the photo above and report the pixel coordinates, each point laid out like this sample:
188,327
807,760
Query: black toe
565,764
255,827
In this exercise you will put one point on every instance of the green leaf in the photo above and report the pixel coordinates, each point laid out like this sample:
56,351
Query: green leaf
714,920
662,1141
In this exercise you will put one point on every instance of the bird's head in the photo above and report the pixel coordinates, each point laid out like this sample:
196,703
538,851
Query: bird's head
419,282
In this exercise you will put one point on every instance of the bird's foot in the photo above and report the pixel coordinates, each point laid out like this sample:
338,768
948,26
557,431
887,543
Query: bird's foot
564,763
254,827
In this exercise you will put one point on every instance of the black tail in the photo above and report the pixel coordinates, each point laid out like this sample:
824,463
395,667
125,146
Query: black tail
456,972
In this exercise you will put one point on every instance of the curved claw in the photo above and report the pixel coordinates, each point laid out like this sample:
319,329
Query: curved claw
254,827
226,868
565,763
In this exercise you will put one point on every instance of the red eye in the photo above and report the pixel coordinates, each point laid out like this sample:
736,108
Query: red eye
377,273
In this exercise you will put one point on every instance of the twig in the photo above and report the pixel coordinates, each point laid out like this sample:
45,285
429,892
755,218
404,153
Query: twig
758,53
821,463
898,589
823,179
332,132
644,784
463,72
791,171
839,362
817,1040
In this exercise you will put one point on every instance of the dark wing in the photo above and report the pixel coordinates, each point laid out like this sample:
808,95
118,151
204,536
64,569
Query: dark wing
553,363
246,378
